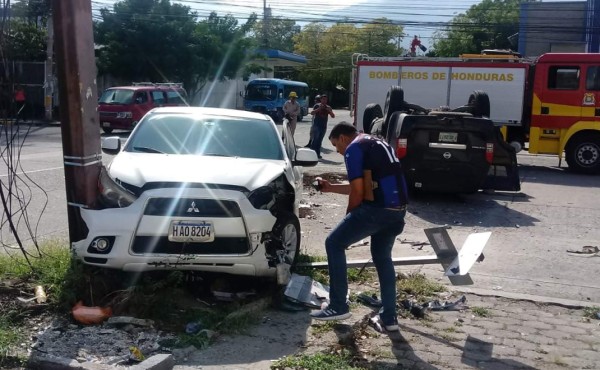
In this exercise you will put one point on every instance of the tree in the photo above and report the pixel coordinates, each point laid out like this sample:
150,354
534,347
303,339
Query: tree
280,33
329,50
486,25
32,11
24,41
154,40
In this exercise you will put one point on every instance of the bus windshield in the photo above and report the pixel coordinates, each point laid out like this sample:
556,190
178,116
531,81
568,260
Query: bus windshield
261,92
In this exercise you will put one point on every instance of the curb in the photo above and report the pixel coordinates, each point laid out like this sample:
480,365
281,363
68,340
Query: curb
49,362
567,303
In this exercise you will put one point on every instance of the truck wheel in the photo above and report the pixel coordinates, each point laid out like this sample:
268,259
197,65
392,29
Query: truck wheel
394,102
372,111
480,103
107,130
583,153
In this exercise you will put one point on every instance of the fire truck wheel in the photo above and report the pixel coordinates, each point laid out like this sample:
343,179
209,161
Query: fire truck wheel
480,102
394,102
583,153
372,111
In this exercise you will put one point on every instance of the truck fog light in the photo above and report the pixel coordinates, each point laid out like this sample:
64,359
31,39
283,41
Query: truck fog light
101,245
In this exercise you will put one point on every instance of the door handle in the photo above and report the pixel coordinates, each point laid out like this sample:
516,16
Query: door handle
545,110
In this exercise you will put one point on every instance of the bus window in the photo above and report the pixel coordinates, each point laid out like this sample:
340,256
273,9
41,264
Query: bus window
593,78
563,78
261,92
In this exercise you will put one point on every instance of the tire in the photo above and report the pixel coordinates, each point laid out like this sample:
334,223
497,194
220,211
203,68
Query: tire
372,111
583,153
287,229
107,130
391,136
394,102
480,104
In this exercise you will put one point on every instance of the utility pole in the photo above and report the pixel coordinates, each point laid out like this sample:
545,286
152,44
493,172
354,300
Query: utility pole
49,75
78,93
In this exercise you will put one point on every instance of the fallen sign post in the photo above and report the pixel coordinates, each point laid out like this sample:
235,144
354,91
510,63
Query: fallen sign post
456,264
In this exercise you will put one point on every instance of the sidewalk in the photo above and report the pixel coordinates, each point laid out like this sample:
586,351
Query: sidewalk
493,333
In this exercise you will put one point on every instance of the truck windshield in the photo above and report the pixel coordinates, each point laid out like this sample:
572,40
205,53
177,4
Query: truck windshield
261,92
116,96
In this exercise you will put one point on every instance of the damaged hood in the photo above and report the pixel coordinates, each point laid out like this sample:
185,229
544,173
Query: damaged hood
137,169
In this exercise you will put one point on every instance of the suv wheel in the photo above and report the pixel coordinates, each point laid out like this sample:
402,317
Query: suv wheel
287,229
394,102
372,111
480,104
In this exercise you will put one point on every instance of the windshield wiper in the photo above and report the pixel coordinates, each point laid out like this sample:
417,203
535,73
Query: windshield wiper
217,154
146,149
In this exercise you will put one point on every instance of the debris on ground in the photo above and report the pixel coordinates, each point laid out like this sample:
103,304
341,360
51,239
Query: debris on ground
586,251
369,300
90,315
447,306
303,289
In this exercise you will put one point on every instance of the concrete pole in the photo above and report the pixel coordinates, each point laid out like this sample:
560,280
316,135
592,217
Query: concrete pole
49,72
76,69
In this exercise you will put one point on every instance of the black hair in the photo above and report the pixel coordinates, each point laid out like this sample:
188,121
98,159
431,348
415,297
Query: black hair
342,128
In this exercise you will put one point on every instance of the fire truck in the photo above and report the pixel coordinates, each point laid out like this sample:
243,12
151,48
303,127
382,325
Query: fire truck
548,105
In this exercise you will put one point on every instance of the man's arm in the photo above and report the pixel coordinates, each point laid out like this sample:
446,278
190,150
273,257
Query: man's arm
357,191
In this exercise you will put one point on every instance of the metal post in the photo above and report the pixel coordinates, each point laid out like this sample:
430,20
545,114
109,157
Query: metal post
49,75
78,94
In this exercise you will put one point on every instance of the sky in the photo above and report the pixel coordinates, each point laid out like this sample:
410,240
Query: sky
419,17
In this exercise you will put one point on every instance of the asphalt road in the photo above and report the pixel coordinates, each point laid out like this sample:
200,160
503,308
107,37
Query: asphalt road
531,230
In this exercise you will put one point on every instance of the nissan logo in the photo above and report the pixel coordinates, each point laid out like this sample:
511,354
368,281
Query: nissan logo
447,155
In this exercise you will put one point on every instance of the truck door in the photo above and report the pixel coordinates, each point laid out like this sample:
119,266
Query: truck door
560,93
591,100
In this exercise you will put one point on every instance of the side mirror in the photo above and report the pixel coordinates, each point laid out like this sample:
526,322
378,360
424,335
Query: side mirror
306,158
111,145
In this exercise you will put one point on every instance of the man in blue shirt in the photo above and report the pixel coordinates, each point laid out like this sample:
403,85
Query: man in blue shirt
376,207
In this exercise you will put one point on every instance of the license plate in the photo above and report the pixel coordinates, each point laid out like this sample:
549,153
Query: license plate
105,124
191,231
448,137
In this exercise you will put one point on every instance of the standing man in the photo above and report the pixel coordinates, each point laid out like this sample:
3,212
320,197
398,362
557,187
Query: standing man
376,207
291,110
312,124
321,114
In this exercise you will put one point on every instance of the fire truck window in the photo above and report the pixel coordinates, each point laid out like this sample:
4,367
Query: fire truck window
593,78
563,78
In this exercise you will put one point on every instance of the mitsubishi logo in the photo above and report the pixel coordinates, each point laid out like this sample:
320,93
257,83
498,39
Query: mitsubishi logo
193,208
446,155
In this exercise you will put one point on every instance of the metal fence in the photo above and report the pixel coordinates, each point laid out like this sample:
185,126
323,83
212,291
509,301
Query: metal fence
30,76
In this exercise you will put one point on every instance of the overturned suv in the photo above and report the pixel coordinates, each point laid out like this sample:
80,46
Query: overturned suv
456,150
202,189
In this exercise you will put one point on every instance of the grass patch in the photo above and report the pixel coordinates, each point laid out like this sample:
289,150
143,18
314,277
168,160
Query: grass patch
450,329
481,312
318,361
559,361
360,276
326,327
320,275
591,312
448,337
418,286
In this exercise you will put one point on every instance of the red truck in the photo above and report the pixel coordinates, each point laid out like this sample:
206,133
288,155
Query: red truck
549,105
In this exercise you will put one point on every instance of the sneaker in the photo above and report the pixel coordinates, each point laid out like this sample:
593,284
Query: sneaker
392,325
328,314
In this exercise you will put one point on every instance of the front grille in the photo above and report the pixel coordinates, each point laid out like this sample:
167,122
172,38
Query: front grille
190,207
259,108
162,245
107,114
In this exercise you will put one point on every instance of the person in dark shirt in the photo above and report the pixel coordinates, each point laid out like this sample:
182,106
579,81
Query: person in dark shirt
376,208
312,124
321,114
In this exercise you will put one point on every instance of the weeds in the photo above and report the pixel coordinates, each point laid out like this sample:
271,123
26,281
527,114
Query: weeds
326,327
591,312
418,286
318,361
481,312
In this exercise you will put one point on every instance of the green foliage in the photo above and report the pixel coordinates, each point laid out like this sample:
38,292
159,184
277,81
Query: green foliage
279,32
154,40
419,286
329,50
31,11
317,361
481,312
24,41
591,312
486,25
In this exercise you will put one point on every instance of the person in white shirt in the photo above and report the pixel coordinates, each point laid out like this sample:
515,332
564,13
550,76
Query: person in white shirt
291,110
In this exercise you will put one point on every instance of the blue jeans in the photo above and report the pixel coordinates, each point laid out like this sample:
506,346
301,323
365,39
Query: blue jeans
383,225
318,135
